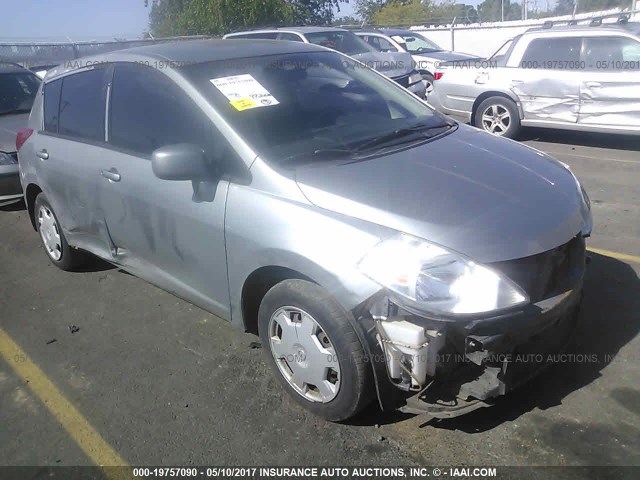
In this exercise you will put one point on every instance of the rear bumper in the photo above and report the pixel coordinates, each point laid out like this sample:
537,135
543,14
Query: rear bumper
10,188
434,102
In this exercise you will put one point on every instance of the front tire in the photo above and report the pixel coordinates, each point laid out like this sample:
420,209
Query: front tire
53,240
498,116
314,350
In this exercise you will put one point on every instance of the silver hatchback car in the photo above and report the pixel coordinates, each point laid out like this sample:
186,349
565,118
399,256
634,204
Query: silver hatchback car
379,249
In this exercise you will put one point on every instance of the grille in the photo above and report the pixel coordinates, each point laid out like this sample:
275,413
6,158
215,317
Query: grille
548,273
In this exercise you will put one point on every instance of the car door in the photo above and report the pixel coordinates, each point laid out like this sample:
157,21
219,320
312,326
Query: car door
69,149
610,87
168,232
547,78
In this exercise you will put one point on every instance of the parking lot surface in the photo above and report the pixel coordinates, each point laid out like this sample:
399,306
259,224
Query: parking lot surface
152,379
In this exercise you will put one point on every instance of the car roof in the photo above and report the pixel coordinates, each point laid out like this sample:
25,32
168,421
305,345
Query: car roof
577,28
189,52
303,30
6,67
386,31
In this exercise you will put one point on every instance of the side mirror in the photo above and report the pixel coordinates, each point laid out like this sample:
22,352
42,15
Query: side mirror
182,161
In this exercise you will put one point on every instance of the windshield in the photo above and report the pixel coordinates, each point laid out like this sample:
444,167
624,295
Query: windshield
345,42
17,92
299,105
416,43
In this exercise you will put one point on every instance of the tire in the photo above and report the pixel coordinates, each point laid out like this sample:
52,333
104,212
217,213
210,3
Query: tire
491,114
53,241
329,353
428,79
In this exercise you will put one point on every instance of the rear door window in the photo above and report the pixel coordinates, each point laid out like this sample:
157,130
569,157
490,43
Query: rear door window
82,105
612,53
52,105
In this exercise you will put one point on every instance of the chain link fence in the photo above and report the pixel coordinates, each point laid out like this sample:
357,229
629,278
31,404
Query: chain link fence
40,54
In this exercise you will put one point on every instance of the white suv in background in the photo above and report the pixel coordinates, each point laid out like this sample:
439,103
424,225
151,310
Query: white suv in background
575,77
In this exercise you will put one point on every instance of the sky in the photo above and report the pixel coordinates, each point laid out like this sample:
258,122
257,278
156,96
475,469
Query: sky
77,19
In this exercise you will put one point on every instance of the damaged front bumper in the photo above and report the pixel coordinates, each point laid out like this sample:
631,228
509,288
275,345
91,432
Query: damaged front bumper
447,368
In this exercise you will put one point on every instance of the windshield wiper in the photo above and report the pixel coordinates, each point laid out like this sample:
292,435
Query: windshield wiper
322,153
402,133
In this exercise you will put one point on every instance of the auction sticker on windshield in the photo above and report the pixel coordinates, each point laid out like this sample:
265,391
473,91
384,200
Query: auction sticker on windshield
244,92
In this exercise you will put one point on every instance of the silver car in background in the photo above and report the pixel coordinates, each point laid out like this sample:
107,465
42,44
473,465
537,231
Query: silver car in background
573,78
396,65
379,249
18,88
427,55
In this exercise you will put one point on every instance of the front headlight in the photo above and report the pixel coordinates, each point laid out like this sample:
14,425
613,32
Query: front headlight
6,159
428,278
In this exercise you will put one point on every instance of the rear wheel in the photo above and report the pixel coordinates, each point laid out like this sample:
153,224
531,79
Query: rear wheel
53,240
427,79
314,350
498,116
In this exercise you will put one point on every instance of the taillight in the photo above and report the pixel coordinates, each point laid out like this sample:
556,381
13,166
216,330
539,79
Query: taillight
438,75
22,137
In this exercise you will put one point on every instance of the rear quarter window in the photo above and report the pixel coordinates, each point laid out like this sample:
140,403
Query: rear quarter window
52,105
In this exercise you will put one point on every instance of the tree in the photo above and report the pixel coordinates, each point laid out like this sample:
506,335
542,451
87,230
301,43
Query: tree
346,20
215,17
491,10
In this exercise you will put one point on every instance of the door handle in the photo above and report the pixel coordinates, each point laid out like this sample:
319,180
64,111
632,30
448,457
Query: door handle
42,154
594,85
112,175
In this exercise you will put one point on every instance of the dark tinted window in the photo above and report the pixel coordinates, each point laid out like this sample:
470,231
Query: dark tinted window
148,111
346,42
612,53
381,44
17,91
289,36
259,35
52,105
553,53
82,105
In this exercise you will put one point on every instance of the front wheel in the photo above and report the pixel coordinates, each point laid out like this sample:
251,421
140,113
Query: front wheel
499,116
314,350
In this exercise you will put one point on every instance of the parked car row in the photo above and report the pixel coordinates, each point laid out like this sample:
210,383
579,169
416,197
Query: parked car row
381,250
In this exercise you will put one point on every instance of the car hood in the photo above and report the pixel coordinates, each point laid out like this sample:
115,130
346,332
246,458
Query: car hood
444,56
488,198
391,64
9,126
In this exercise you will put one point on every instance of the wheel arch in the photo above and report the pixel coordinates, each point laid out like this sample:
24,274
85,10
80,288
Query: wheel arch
256,286
483,96
30,194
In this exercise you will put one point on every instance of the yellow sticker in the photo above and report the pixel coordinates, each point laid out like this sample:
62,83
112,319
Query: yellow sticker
243,104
